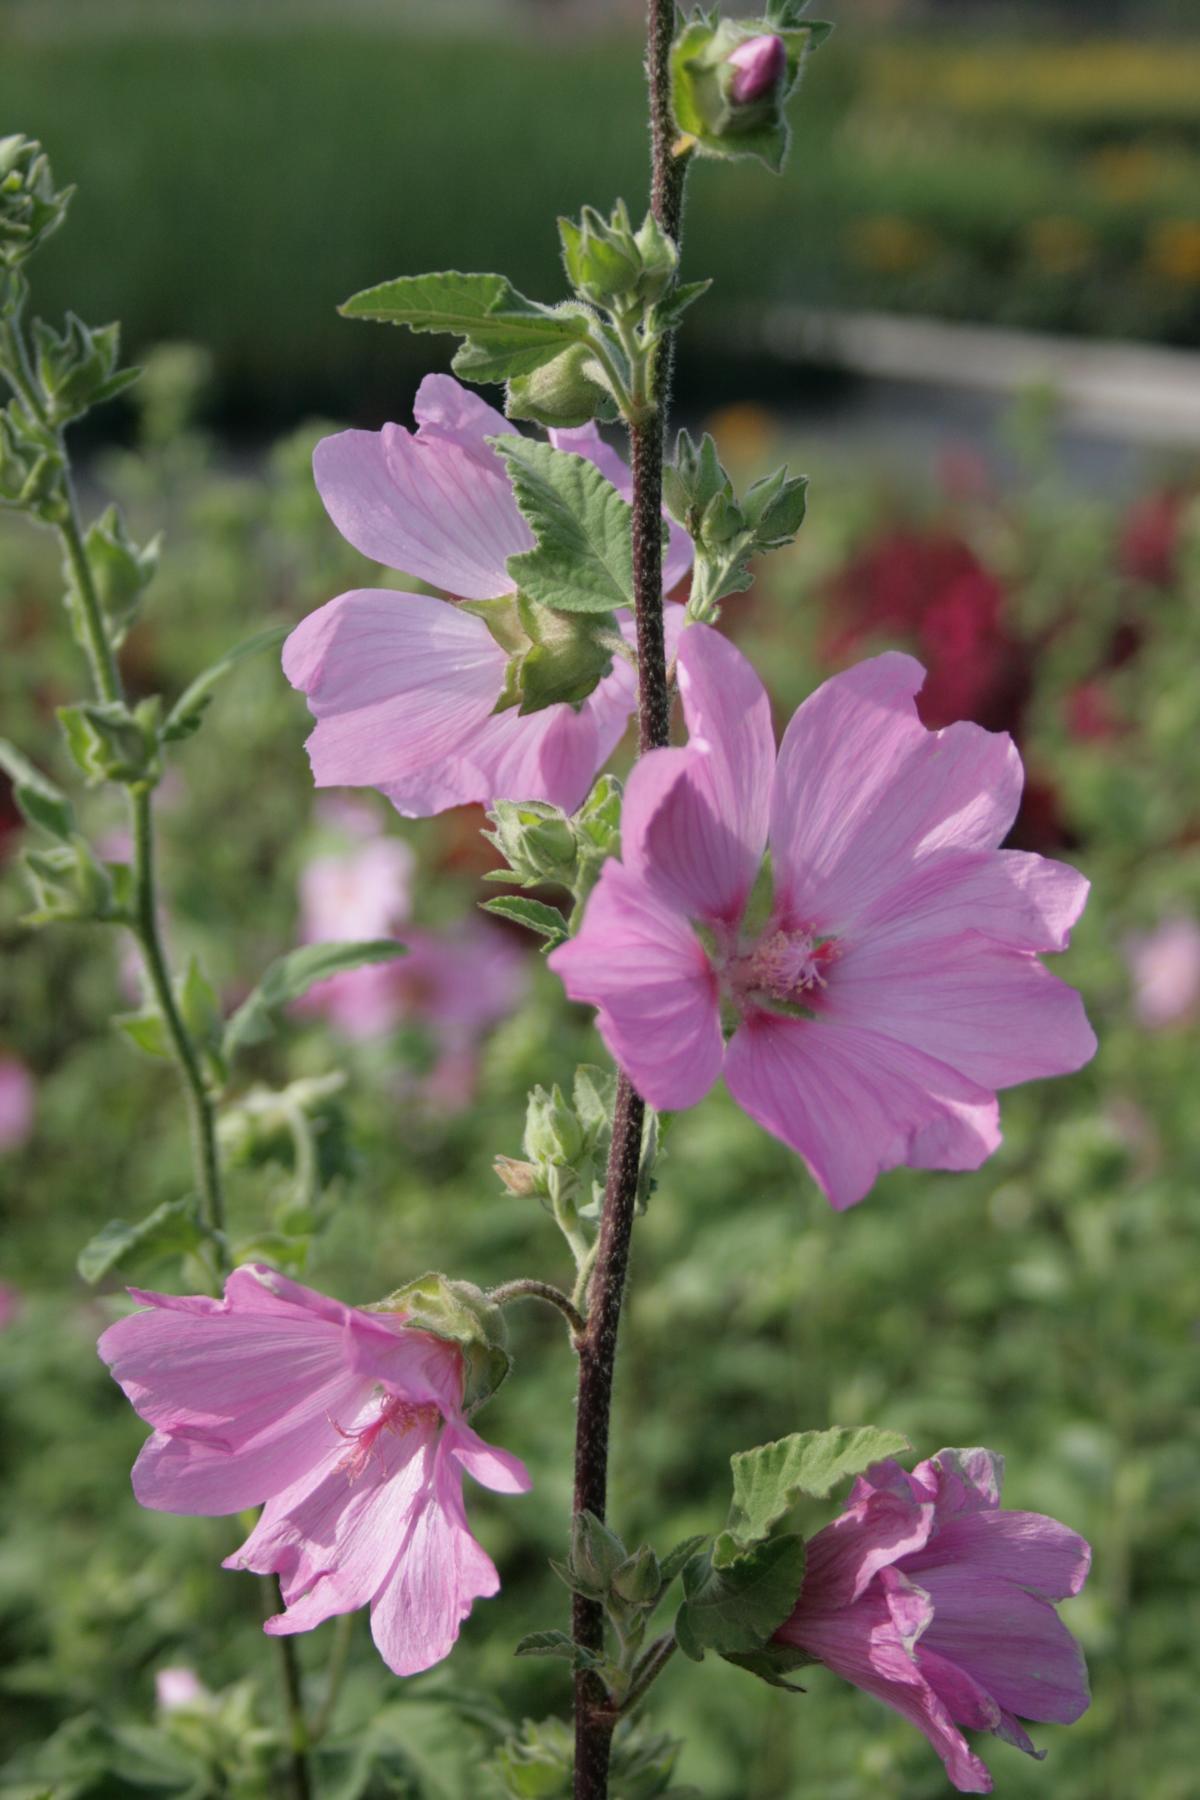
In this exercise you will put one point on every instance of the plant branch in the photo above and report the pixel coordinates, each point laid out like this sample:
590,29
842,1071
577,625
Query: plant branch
594,1719
648,1671
541,1290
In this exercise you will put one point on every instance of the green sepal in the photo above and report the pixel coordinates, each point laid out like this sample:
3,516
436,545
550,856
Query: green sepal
534,915
37,798
292,975
505,334
583,560
737,1605
172,1229
185,716
459,1313
768,1481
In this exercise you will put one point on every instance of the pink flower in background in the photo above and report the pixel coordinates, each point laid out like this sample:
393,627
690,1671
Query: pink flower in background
178,1687
403,686
12,1303
928,1596
1165,965
361,894
18,1097
895,984
345,1426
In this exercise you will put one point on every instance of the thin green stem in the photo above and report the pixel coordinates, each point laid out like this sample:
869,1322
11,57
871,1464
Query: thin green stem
339,1660
98,647
648,1670
541,1290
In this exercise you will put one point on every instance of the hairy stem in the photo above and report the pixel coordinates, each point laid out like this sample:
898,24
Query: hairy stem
594,1719
541,1290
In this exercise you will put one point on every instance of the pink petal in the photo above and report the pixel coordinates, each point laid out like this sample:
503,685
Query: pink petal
863,791
400,685
698,821
1025,902
1030,1550
871,1535
962,1481
1009,1641
443,408
426,505
638,960
490,1467
997,1016
585,440
853,1103
967,1703
438,1572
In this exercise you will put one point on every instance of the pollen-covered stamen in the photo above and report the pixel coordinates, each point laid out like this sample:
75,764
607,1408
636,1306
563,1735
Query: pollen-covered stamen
785,966
396,1416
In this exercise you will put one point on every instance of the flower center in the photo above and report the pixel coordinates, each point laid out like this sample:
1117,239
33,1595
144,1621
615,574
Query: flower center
396,1416
781,967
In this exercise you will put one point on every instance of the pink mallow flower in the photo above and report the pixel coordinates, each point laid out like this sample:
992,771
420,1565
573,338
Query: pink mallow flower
18,1103
403,686
179,1687
364,893
346,1426
928,1596
895,983
1165,965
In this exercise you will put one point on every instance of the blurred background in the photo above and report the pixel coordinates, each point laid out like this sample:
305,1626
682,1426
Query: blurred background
971,312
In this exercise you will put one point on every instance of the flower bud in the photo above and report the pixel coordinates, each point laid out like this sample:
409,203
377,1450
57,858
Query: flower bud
758,66
30,208
596,1553
520,1178
553,1134
639,1578
562,394
536,841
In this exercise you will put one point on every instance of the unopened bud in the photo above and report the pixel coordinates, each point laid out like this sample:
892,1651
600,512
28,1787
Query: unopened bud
759,66
552,1132
519,1178
564,393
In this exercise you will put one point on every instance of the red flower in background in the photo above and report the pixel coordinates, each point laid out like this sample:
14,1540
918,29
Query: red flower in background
1148,547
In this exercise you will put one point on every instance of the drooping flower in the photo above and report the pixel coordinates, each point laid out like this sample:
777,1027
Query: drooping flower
18,1101
346,1426
403,686
1165,965
895,984
927,1595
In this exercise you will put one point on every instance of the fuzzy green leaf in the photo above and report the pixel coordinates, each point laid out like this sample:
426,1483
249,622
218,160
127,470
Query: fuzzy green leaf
39,801
768,1481
506,334
547,921
170,1230
583,561
737,1608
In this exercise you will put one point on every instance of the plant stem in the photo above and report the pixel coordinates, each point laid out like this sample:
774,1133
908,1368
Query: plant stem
594,1719
271,1595
541,1290
648,1671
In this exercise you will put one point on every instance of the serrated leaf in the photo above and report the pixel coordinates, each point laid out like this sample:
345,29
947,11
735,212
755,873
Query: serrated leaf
290,977
739,1607
583,560
40,802
547,921
557,1643
670,310
506,334
768,1481
170,1230
184,717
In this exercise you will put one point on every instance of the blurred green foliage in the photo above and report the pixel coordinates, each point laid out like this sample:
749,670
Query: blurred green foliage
1045,1306
244,177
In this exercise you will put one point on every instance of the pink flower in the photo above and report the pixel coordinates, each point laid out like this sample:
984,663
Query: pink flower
347,1424
178,1687
1165,965
895,984
17,1103
403,686
759,65
363,894
927,1595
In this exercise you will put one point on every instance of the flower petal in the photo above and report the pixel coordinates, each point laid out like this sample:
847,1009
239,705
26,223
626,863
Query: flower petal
853,1104
438,1572
1030,1550
869,1536
1009,1641
1025,902
699,826
443,408
997,1016
490,1467
637,959
399,685
434,505
862,791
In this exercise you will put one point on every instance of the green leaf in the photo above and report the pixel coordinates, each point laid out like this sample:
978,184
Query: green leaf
583,561
675,1560
547,921
146,1030
671,309
172,1229
771,1664
557,1643
506,334
739,1607
290,977
39,801
768,1481
184,717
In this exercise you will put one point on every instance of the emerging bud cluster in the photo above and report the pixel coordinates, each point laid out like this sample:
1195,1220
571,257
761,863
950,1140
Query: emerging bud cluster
727,532
610,264
30,205
730,79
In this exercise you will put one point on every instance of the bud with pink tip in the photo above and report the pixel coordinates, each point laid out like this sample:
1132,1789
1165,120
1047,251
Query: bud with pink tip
759,65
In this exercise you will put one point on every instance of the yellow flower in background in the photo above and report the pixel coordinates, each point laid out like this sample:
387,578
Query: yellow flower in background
746,434
1126,172
1173,250
889,245
1060,245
